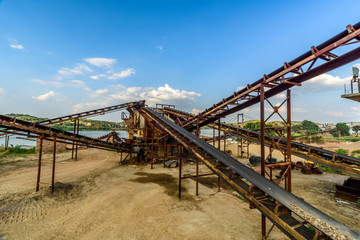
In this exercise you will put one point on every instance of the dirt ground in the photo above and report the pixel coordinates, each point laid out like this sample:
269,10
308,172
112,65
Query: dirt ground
333,146
96,198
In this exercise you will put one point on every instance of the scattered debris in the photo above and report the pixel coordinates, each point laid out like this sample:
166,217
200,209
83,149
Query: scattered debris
171,164
321,225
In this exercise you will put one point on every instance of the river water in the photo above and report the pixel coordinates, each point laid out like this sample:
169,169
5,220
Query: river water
16,140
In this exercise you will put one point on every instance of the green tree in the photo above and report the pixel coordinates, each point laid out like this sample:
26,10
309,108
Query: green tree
356,129
334,132
252,125
343,128
297,127
310,126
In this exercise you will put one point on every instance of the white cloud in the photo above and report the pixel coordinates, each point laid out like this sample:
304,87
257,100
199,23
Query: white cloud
118,86
17,46
79,84
239,88
324,82
97,77
160,47
14,44
120,93
51,95
298,110
80,69
355,108
91,105
99,93
2,91
131,93
123,74
334,113
280,96
101,62
167,94
54,83
195,111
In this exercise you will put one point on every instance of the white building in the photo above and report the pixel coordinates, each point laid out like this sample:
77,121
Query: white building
351,125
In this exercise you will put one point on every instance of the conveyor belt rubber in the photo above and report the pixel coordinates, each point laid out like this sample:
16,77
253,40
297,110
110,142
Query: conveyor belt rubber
315,217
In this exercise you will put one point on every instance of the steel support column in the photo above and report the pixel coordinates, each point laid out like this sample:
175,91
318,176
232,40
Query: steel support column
73,143
197,133
164,147
7,138
53,167
146,143
179,155
197,176
288,138
77,143
219,133
152,145
262,139
39,163
214,137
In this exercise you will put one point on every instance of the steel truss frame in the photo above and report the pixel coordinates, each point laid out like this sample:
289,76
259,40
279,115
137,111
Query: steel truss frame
95,112
35,128
48,133
267,165
270,199
290,74
321,156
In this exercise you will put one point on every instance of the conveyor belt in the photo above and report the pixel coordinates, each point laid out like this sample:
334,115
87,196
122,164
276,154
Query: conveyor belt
31,127
341,162
284,78
286,222
92,113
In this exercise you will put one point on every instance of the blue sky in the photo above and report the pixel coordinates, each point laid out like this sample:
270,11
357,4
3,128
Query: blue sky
59,57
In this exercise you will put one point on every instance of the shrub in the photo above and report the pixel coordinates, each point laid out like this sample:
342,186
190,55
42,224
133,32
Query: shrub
342,151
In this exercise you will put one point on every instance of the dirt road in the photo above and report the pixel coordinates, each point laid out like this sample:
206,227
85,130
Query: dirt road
96,198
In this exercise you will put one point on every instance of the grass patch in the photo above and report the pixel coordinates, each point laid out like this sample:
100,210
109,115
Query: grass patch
16,151
327,169
355,153
342,151
311,228
240,197
342,139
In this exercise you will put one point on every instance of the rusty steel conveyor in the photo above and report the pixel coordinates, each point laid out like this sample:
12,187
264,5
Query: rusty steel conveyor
293,73
265,195
48,132
322,156
340,162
